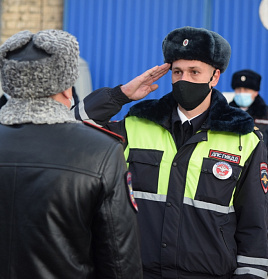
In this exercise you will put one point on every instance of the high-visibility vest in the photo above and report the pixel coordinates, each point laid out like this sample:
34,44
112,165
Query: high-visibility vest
221,146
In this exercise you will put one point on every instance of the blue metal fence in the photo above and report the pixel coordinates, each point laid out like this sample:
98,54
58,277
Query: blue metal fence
120,39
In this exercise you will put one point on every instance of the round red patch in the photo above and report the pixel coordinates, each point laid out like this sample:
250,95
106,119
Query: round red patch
222,170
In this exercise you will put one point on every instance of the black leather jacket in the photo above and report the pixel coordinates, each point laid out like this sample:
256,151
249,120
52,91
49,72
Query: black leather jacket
64,205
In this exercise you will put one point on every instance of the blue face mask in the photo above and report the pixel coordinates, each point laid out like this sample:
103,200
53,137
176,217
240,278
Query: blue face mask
243,99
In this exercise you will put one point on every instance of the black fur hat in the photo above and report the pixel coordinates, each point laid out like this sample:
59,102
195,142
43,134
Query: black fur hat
247,79
191,43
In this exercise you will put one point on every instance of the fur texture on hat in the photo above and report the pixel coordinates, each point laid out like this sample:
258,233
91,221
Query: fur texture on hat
247,79
31,77
191,43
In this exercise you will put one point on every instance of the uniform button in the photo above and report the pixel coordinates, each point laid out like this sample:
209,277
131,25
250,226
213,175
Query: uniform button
168,204
174,164
164,245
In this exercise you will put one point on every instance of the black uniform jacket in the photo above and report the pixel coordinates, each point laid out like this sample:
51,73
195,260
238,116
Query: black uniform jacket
65,211
241,242
259,112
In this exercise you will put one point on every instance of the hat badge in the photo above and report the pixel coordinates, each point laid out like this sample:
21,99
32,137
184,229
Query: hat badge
243,78
185,42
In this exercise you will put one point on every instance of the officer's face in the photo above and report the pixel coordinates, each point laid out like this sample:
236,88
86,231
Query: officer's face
240,90
194,71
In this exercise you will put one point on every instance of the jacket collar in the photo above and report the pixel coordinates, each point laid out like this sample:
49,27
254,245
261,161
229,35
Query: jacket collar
258,108
37,111
221,116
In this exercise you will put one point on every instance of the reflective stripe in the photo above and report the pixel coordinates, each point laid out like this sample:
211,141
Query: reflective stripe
150,196
250,270
209,206
81,111
188,201
250,260
83,115
261,121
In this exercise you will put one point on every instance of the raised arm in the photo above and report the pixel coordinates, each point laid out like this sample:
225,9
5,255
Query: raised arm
104,103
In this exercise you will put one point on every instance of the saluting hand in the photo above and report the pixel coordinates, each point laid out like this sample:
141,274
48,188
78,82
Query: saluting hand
142,85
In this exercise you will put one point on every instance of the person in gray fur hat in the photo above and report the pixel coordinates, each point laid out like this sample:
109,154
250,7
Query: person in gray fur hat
246,84
199,169
67,208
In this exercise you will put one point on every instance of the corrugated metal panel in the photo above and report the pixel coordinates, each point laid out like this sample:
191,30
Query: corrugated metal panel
238,21
122,38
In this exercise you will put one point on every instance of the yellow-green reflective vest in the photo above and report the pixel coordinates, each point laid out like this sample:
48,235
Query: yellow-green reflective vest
145,134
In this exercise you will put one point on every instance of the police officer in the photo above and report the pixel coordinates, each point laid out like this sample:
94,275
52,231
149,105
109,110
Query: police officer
199,169
246,84
65,208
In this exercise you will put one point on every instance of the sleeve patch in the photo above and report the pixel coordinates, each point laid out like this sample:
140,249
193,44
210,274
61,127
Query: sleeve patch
264,176
130,191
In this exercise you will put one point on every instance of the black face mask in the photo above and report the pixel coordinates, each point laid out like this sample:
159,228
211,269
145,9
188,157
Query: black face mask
190,95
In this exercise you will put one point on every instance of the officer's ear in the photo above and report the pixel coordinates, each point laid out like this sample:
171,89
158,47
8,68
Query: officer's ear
64,97
255,94
215,78
68,93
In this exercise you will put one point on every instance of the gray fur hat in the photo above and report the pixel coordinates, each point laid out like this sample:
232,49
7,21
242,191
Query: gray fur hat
191,43
38,65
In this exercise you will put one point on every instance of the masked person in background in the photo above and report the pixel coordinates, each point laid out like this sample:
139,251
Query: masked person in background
246,84
65,211
199,169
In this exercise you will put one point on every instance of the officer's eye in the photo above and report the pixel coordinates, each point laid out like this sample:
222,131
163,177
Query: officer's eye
177,72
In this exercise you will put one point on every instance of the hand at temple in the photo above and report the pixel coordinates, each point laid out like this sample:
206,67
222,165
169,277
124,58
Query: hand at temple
142,85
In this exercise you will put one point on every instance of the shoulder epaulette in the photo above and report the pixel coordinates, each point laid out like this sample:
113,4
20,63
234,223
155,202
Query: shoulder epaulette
258,132
93,124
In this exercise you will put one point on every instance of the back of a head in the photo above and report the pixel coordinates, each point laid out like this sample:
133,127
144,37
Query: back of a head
39,65
35,67
247,79
190,43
